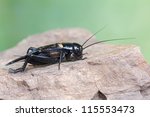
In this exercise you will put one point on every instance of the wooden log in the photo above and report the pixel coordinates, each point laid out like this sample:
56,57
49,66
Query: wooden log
109,72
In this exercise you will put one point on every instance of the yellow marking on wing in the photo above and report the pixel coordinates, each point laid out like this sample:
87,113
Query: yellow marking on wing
60,45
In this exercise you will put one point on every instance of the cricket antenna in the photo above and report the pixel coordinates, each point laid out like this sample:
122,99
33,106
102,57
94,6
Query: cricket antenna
93,35
107,41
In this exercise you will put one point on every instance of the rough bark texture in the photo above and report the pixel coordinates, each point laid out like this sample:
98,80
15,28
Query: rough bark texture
110,72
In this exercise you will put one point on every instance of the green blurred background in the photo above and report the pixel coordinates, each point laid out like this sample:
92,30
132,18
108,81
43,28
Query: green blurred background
124,18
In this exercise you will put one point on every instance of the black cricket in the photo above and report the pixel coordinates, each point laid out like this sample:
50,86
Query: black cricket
55,53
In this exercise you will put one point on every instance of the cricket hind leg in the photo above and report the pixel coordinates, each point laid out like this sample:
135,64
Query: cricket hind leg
21,69
32,61
22,57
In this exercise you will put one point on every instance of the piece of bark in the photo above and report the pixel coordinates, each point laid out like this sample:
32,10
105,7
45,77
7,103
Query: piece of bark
109,72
